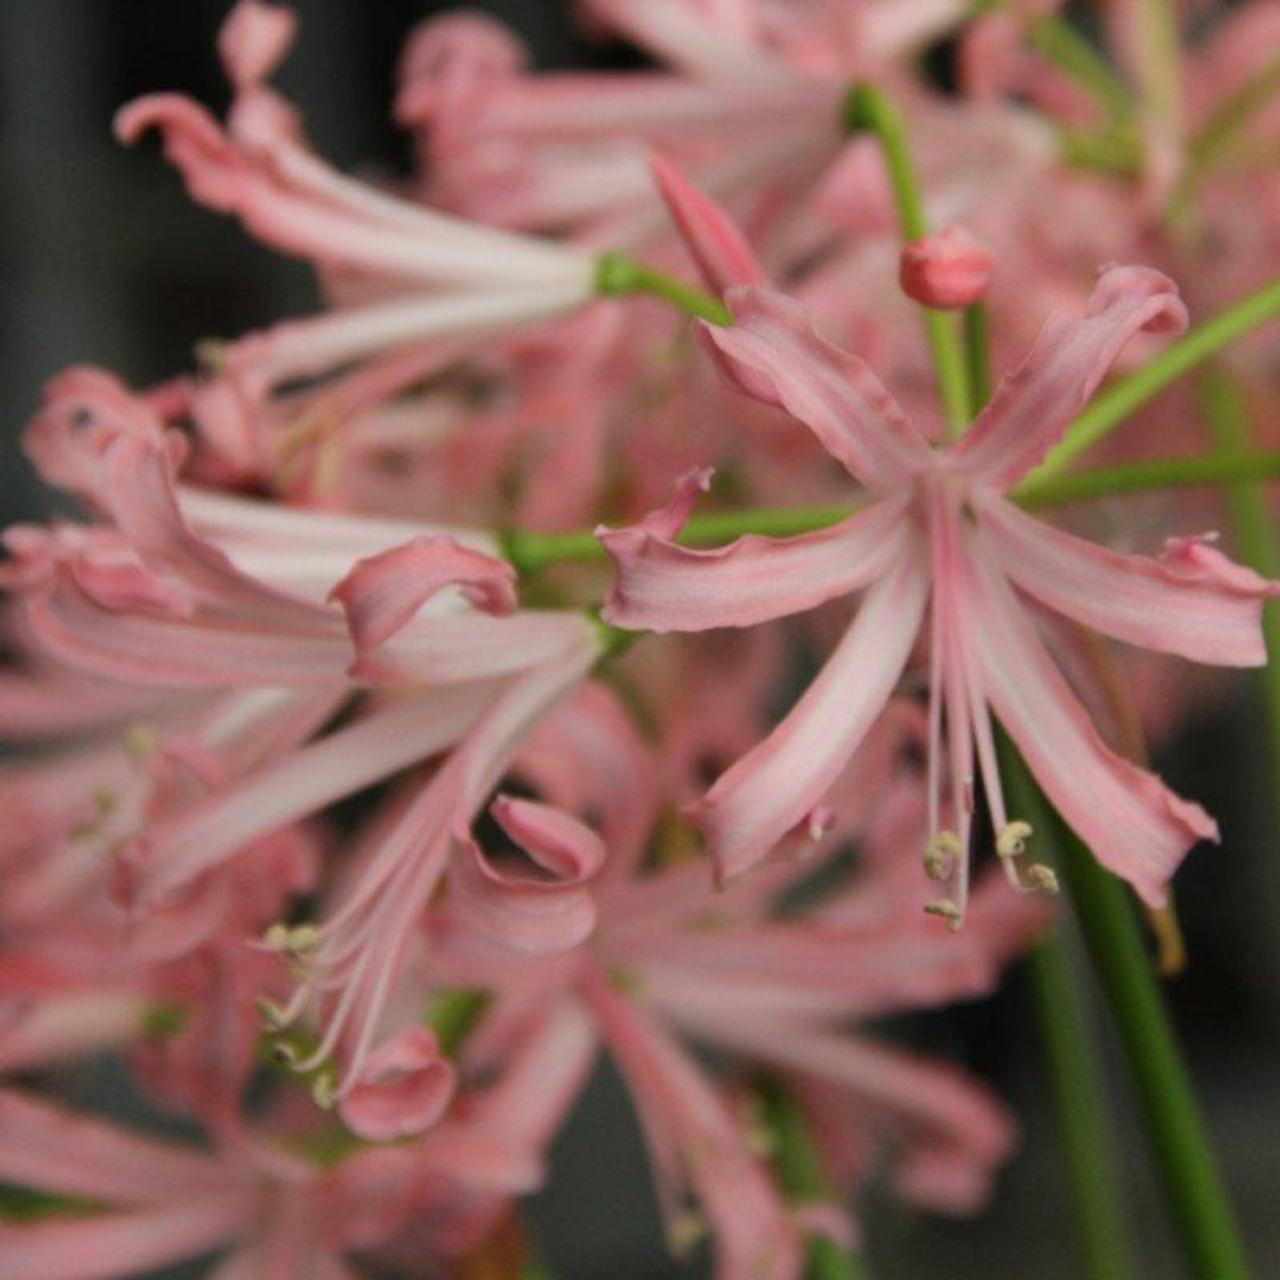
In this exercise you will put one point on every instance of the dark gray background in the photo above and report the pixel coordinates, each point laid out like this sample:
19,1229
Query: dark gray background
105,260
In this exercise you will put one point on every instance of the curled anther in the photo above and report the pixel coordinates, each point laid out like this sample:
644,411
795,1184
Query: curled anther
1011,842
948,910
324,1091
296,940
941,855
685,1231
1040,879
272,1014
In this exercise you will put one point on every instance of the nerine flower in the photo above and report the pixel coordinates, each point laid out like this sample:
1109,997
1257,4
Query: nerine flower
673,962
941,542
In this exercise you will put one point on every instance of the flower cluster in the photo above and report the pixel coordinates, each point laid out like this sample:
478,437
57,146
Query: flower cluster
353,818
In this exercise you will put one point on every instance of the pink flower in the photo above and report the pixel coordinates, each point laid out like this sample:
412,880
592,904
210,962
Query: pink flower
673,961
940,536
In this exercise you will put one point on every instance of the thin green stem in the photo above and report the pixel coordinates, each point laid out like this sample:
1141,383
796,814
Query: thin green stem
977,354
868,109
617,274
1183,1157
803,1180
1110,408
1231,117
1254,532
1069,1040
1057,41
1146,476
1080,1100
532,552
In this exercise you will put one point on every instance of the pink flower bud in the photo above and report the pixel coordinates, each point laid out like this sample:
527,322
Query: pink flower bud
947,271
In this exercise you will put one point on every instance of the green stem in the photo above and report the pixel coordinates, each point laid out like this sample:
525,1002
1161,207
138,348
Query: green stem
1080,1100
453,1012
531,551
617,274
1070,1045
868,109
1254,533
977,350
1110,408
801,1176
1184,1159
1230,118
1148,475
1060,43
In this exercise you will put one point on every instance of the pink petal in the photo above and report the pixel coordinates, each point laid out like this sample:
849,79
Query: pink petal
143,502
389,738
254,40
776,785
533,913
710,234
383,592
73,627
955,1133
1134,825
1194,603
659,586
695,1146
60,1151
772,353
404,1088
1033,404
107,1246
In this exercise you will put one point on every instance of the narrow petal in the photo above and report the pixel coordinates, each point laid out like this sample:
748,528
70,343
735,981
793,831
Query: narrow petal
776,785
404,1088
107,1246
773,353
1033,405
952,1134
1195,603
696,1147
537,913
383,592
659,586
59,1151
388,739
1134,825
709,233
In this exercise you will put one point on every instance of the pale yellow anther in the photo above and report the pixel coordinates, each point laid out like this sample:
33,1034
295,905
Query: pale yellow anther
941,855
324,1091
139,742
1012,841
684,1231
1041,879
212,353
272,1014
948,910
295,941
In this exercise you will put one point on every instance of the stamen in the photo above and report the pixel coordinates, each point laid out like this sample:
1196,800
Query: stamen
684,1231
941,855
1011,842
324,1090
1041,879
297,941
948,910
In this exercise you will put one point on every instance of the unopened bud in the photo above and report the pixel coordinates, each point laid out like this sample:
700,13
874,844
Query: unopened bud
946,271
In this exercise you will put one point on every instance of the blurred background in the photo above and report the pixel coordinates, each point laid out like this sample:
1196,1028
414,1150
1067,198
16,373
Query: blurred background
104,260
